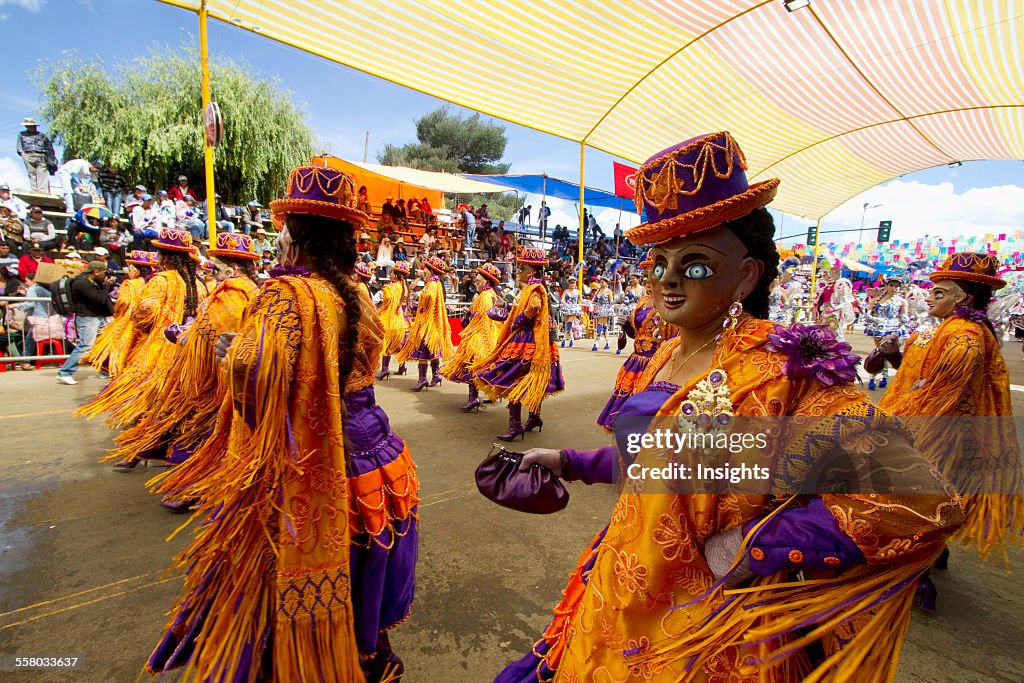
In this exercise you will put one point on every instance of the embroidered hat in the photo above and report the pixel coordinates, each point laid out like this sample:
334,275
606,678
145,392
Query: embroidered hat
364,271
491,272
533,256
435,264
320,191
693,186
234,245
970,266
141,258
172,239
401,267
194,255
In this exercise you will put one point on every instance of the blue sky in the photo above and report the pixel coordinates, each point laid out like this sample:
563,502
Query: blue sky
979,196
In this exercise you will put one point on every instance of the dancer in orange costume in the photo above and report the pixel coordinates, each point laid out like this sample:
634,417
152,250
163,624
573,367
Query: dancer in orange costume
648,600
306,557
524,366
953,391
430,335
393,305
478,336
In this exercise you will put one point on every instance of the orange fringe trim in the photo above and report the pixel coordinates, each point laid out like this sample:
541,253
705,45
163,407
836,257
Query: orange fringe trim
990,521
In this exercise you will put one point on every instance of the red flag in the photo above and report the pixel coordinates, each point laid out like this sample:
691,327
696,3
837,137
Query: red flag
625,180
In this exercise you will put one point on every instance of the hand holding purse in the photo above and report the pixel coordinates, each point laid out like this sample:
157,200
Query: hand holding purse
535,490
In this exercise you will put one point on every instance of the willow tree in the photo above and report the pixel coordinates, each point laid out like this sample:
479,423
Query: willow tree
144,116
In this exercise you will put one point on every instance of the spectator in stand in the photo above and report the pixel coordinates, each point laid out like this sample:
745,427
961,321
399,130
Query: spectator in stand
363,201
470,226
365,248
543,213
144,220
524,215
262,269
387,208
483,218
492,241
113,188
72,174
413,210
400,214
506,246
385,257
261,243
8,260
37,228
18,208
178,192
114,236
137,193
428,212
429,239
29,263
36,152
166,210
399,253
595,229
252,220
191,218
90,294
385,226
221,216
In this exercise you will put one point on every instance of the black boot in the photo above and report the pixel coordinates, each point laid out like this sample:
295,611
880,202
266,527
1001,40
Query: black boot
422,383
515,423
384,371
401,370
435,378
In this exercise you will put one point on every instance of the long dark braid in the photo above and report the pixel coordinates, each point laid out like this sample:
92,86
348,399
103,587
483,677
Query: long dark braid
330,246
756,231
981,296
186,268
247,266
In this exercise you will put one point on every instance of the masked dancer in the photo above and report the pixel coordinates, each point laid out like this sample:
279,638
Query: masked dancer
647,600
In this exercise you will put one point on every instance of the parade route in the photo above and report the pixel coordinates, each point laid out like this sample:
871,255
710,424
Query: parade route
83,550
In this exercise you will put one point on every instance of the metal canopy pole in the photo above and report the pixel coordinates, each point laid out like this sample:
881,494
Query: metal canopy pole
579,236
204,65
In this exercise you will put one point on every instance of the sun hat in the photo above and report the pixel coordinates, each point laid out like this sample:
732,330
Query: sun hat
172,239
491,272
533,256
320,191
693,186
972,267
234,245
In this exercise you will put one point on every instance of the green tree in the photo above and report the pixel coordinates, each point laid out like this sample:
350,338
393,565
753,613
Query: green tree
453,144
144,116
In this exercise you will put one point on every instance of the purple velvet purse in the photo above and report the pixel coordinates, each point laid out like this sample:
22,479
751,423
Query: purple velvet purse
536,490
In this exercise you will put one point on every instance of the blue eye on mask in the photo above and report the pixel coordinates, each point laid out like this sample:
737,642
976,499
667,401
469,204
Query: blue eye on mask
658,272
698,271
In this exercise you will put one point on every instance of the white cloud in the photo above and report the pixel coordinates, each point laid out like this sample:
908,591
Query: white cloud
12,172
30,5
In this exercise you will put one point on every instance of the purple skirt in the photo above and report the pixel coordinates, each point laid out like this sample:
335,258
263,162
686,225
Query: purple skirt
505,373
423,353
625,381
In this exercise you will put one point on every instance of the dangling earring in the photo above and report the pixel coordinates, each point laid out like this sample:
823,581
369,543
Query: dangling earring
734,313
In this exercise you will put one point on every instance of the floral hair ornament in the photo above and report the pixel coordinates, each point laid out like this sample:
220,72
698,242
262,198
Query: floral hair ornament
319,191
694,186
972,267
814,351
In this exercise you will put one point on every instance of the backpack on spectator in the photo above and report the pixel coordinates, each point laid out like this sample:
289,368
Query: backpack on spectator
60,296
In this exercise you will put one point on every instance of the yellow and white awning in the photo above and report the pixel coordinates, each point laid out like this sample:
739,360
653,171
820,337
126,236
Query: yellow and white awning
833,98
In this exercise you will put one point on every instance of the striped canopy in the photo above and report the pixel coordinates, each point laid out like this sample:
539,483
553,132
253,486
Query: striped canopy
833,98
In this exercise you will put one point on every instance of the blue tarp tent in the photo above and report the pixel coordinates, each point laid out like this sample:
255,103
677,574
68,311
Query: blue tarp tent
557,188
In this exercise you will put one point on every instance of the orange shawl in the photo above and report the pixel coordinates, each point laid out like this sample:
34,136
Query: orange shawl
477,337
395,295
954,421
430,327
193,390
132,393
274,550
621,624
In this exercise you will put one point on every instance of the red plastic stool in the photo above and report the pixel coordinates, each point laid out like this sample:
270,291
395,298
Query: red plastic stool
54,347
3,366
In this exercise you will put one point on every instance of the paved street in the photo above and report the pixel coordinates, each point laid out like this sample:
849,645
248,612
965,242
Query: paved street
83,554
